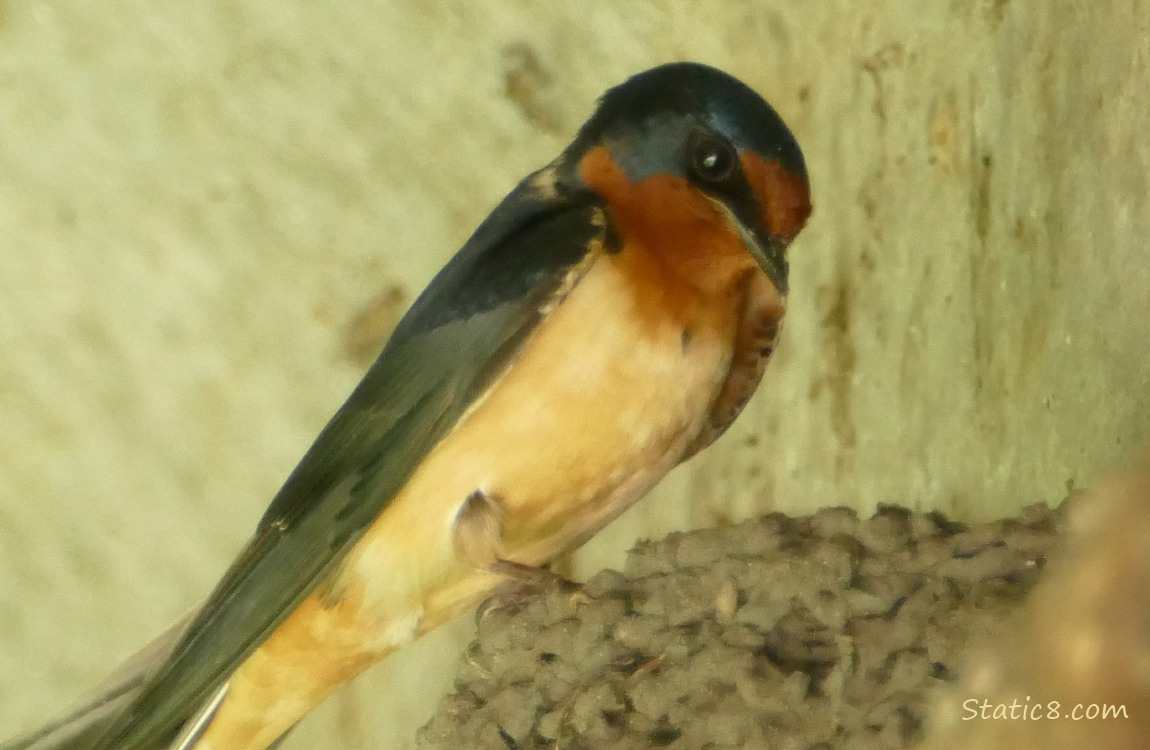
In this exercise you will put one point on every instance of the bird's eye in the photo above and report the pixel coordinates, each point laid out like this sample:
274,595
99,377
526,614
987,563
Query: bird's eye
712,159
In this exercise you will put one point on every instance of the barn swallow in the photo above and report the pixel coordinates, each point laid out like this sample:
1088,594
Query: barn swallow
607,321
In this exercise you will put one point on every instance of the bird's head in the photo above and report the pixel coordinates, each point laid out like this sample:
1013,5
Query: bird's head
685,145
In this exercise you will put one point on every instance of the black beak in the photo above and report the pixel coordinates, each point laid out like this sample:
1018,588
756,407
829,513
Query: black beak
771,254
769,251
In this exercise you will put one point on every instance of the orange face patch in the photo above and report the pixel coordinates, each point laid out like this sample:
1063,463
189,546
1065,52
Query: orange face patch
661,198
786,198
671,220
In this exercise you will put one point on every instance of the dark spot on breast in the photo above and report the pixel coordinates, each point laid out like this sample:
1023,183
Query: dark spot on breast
766,351
612,239
685,338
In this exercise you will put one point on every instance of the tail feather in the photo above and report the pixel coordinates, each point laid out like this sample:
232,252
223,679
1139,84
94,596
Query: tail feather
93,713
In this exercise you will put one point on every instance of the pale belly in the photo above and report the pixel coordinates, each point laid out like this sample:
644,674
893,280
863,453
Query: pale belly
603,400
601,403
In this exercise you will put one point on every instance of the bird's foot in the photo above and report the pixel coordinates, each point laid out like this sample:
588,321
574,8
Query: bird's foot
526,583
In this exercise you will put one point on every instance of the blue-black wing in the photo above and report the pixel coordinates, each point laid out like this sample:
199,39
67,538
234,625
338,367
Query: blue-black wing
457,337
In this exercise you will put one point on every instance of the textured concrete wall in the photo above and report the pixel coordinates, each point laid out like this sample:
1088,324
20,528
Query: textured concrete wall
211,212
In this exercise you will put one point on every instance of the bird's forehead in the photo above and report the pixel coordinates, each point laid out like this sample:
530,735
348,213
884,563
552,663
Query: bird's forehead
764,135
784,197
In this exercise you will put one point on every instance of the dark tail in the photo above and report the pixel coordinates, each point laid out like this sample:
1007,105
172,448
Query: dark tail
84,723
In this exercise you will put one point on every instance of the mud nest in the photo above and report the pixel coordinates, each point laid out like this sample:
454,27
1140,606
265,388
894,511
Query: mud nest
824,631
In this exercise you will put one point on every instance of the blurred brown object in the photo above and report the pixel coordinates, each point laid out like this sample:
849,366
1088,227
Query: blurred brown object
1074,670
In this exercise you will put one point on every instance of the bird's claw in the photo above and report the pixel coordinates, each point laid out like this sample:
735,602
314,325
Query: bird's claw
524,583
